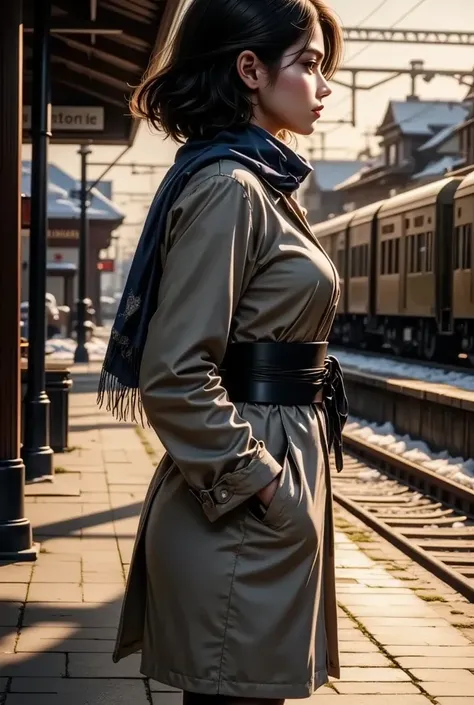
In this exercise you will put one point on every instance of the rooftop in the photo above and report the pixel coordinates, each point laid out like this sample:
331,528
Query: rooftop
60,202
423,117
328,173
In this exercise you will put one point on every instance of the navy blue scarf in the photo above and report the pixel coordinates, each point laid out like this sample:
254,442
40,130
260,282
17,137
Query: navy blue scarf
270,159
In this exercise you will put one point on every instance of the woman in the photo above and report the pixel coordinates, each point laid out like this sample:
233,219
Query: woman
220,335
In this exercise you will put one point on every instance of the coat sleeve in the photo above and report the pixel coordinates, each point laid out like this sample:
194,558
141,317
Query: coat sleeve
211,251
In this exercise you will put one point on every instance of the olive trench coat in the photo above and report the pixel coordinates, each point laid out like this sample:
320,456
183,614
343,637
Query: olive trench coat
218,600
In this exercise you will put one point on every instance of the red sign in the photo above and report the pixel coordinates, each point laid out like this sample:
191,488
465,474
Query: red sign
106,265
25,211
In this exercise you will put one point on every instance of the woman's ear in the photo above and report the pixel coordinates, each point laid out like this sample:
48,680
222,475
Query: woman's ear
251,70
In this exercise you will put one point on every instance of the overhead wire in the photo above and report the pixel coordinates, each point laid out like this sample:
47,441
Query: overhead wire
358,25
406,14
372,13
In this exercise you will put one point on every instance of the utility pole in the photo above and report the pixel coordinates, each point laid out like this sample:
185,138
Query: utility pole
81,354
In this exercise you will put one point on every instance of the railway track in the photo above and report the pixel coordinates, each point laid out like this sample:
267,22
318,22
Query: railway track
428,517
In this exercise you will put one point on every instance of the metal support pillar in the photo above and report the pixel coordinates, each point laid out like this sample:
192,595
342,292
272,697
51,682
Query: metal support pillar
15,529
36,452
81,354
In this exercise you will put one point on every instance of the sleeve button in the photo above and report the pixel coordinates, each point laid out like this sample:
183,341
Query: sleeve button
223,495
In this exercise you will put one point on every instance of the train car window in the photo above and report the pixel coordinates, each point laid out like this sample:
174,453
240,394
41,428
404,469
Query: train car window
456,248
466,247
419,220
429,251
411,254
341,262
407,222
387,229
396,256
353,261
390,256
420,252
459,212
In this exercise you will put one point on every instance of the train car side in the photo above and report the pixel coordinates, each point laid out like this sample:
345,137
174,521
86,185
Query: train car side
463,261
407,271
332,235
361,282
413,303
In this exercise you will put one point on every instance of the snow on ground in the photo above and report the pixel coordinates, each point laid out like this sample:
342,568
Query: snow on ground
456,469
62,349
385,366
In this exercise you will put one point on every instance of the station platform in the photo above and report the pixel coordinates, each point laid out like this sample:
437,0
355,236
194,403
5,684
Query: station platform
405,638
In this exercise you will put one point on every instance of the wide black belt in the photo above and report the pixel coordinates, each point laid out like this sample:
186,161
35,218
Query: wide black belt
288,374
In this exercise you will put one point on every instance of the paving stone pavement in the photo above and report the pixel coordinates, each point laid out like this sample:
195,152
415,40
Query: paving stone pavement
58,616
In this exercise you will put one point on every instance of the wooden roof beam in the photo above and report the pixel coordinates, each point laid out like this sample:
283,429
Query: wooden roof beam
102,93
96,51
61,53
89,72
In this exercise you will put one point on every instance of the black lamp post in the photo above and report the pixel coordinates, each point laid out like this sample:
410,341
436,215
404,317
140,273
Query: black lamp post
36,452
81,354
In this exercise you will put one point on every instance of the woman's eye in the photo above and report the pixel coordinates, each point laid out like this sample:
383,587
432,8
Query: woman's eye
311,65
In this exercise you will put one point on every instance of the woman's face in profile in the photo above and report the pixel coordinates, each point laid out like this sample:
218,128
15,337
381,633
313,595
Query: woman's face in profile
295,99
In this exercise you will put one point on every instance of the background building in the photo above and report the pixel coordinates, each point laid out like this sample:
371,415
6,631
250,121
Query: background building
63,235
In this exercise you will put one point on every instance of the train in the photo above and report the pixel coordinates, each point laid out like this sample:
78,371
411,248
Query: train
407,271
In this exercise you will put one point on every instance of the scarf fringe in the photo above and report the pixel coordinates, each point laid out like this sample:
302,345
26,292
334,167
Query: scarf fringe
122,401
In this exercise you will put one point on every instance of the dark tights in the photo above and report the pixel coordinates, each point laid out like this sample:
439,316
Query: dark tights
199,699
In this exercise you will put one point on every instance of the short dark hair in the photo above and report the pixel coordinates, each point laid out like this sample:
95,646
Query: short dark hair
198,90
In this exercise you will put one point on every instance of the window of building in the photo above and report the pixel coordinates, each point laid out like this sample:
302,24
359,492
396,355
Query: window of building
387,229
392,154
418,221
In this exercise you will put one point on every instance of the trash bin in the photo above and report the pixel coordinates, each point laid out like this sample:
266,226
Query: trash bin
58,385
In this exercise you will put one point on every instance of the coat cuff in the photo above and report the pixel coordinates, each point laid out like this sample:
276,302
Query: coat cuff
236,487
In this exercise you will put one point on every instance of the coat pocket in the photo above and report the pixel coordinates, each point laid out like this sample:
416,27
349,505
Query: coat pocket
278,512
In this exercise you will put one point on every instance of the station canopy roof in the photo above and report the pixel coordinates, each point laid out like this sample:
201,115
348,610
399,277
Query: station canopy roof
99,52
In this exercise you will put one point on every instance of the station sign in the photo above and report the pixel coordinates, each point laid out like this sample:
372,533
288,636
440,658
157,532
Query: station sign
63,234
71,118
